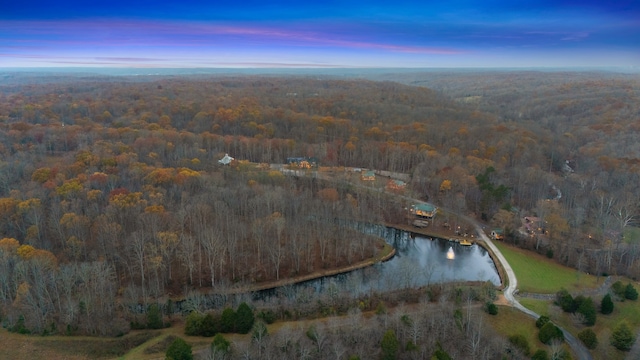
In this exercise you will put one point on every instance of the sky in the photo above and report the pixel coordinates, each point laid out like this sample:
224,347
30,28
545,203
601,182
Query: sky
319,34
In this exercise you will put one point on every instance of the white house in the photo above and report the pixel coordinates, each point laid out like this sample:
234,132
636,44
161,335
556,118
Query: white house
226,159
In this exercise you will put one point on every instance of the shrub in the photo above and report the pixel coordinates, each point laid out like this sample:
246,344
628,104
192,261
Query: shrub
565,301
588,309
520,342
228,321
209,326
457,316
179,350
440,354
492,309
622,337
618,290
220,344
389,345
606,306
193,324
137,325
577,302
244,319
630,292
154,317
411,346
540,355
549,332
267,316
489,290
19,327
588,338
542,320
381,309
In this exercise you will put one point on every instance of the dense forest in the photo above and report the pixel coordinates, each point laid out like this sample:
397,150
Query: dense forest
111,192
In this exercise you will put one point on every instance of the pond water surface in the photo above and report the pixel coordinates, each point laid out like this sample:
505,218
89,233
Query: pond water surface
419,261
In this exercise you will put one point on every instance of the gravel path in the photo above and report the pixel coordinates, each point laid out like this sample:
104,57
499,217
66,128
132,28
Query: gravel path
580,351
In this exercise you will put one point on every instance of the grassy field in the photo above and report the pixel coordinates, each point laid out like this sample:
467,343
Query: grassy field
539,306
627,310
138,345
17,346
537,274
510,321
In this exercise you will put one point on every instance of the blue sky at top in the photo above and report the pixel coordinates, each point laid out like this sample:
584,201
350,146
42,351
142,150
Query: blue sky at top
328,34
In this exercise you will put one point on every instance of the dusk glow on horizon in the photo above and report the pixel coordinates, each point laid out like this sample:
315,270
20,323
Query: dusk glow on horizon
187,34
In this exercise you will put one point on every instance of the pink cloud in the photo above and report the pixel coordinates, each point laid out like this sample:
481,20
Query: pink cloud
175,34
566,36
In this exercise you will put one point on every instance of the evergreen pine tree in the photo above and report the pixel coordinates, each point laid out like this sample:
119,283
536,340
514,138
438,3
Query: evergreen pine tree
549,332
630,292
588,338
389,345
228,321
542,320
179,350
588,309
622,337
209,326
606,306
244,319
154,317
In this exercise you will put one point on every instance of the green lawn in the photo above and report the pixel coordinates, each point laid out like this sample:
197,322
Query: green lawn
541,307
510,321
537,274
627,310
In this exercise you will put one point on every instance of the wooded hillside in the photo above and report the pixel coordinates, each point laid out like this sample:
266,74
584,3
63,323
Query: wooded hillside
111,187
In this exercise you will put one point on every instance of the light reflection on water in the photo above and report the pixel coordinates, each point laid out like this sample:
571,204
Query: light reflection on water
418,262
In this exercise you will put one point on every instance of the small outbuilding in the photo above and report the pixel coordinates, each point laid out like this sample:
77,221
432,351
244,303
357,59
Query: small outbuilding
368,176
396,185
497,234
226,160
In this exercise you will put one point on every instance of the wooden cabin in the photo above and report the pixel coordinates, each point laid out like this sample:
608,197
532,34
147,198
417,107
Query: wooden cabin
368,176
425,210
396,185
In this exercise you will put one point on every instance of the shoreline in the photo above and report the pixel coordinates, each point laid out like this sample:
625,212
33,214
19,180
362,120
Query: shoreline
380,257
477,240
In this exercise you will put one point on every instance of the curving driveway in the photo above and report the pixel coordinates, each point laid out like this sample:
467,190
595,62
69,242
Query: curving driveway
576,345
579,350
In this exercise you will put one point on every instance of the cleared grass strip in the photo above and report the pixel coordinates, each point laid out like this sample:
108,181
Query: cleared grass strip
538,274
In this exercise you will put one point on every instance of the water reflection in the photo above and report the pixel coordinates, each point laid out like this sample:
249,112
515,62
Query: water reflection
419,261
450,254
